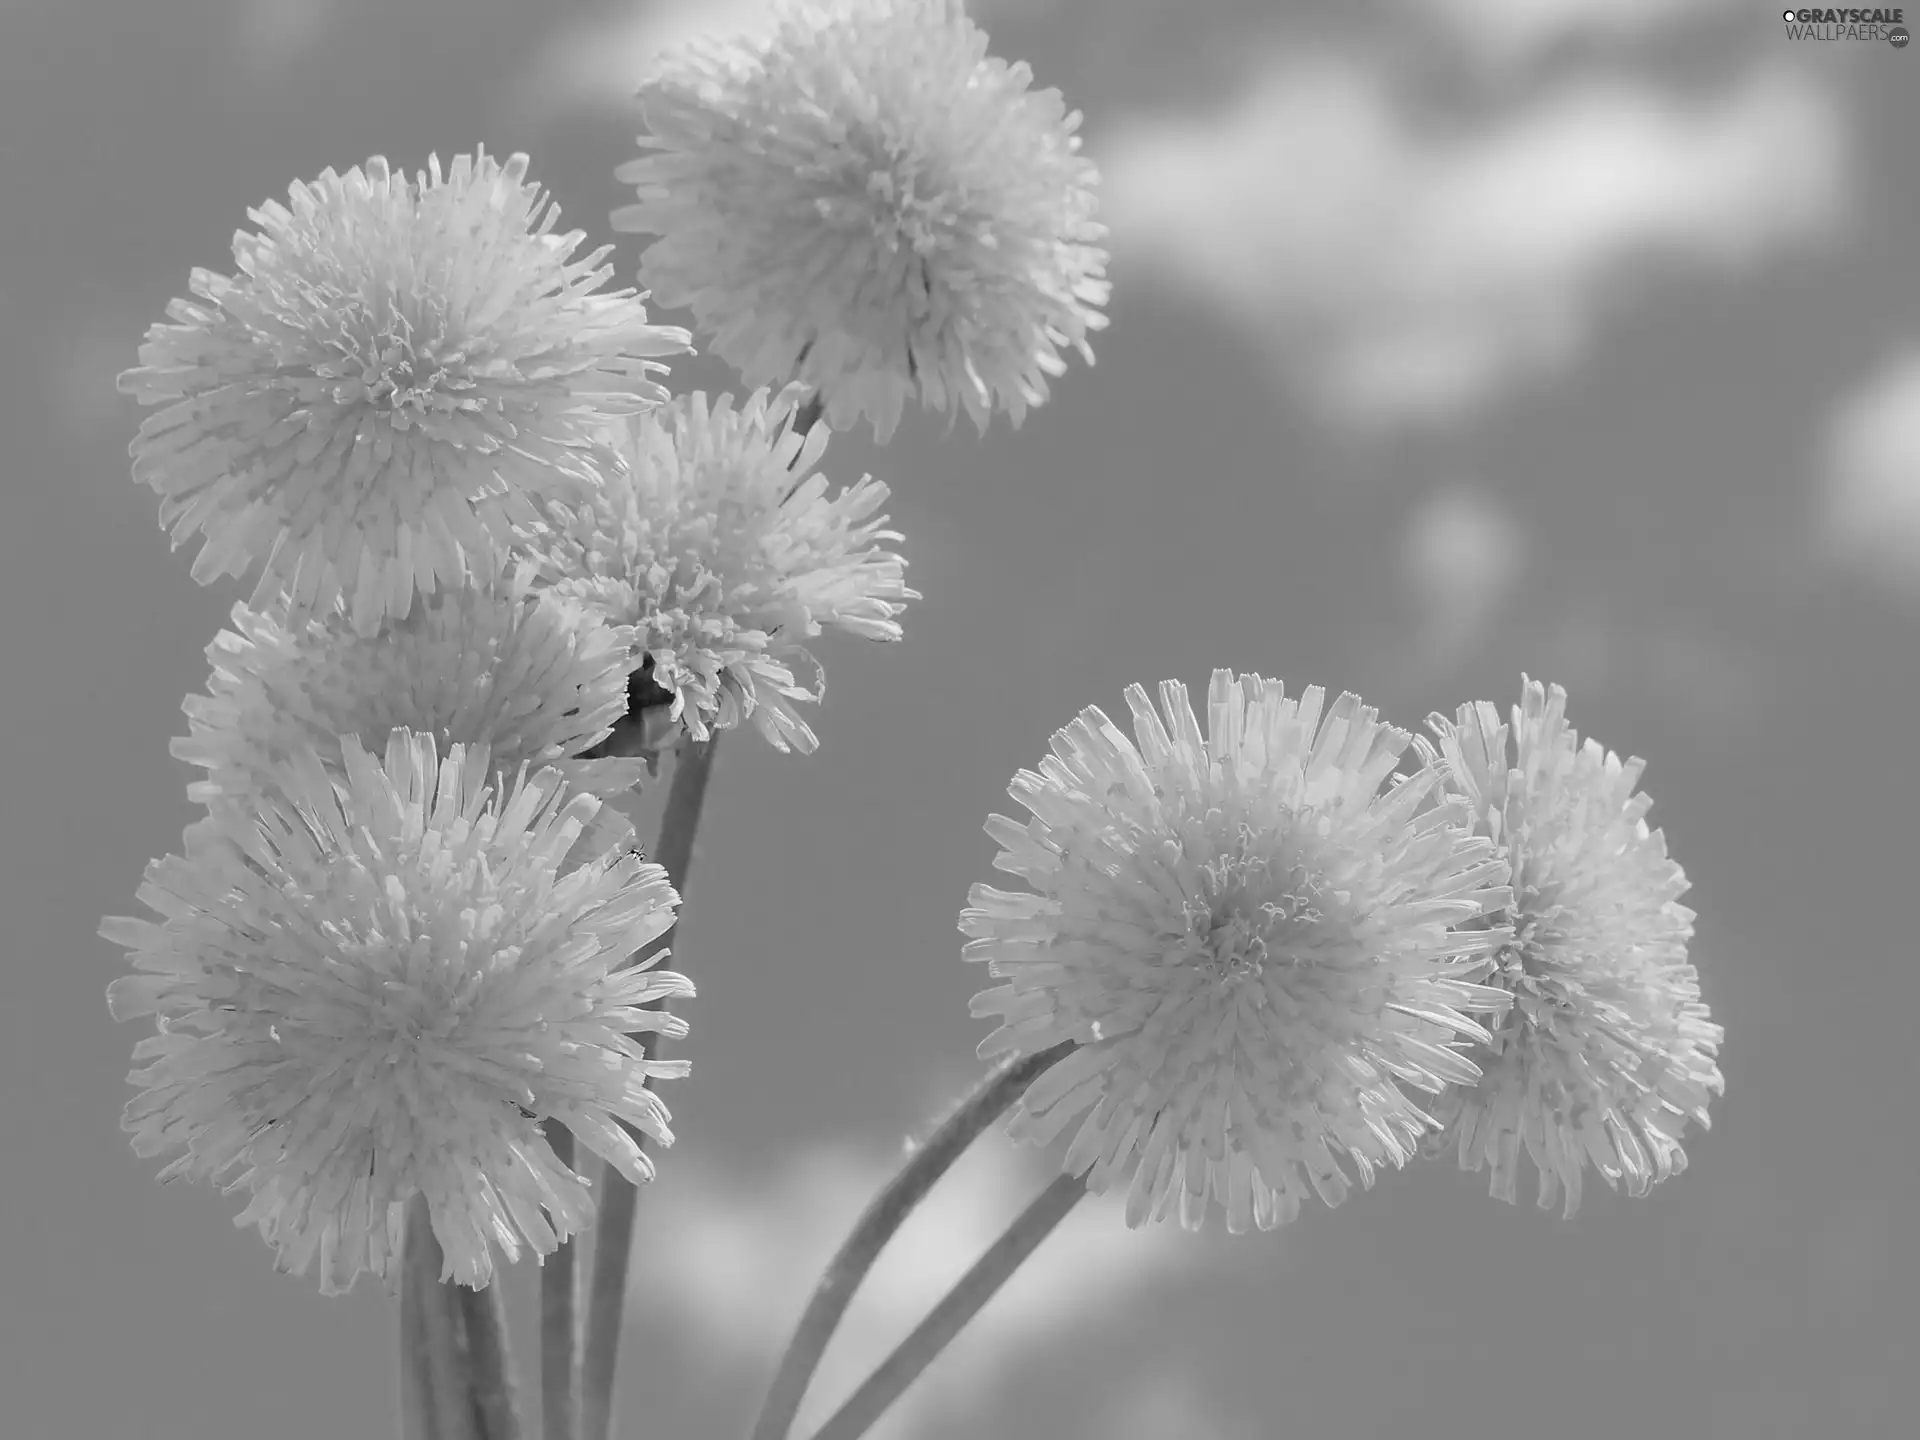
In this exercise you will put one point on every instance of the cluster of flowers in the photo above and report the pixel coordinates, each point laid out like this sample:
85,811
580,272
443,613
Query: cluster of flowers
1254,946
397,941
394,943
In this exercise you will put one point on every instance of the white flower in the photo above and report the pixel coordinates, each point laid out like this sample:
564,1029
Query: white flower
712,537
1252,945
1607,1051
367,406
861,199
377,986
535,678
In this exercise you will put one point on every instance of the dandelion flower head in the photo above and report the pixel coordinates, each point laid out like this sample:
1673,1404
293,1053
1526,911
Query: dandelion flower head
394,368
1607,1051
713,537
535,678
858,197
377,987
1253,945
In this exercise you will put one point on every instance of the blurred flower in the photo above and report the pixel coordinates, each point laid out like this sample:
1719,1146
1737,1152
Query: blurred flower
1607,1051
535,678
712,538
859,198
380,985
1251,943
394,370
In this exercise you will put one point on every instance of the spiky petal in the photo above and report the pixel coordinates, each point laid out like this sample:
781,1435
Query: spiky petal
367,405
1253,945
715,540
859,197
1608,1050
535,678
370,987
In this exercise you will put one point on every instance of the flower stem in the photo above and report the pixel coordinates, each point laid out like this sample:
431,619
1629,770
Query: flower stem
986,1102
613,1226
559,1344
805,416
956,1308
417,1416
485,1316
442,1339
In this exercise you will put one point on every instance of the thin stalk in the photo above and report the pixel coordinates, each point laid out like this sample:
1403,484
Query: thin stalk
443,1335
559,1343
638,733
805,416
613,1225
989,1099
417,1416
950,1316
484,1313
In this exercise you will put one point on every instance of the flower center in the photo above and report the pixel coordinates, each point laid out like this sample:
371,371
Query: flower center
1248,908
391,364
920,222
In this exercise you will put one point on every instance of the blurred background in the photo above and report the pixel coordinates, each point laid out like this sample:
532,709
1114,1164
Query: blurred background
1451,339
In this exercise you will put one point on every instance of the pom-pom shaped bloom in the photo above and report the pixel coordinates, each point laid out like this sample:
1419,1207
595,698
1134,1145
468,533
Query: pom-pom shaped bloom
380,986
714,539
395,368
1607,1051
859,198
535,678
1251,943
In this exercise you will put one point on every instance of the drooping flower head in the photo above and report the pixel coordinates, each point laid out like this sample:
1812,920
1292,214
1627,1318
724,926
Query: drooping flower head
860,198
714,539
1607,1051
395,367
376,987
1253,946
533,677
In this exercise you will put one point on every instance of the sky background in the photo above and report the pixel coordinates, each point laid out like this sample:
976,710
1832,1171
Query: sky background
1451,339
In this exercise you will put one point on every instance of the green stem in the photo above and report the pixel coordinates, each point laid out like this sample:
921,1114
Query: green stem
417,1414
949,1317
992,1097
442,1334
559,1344
484,1313
805,416
613,1225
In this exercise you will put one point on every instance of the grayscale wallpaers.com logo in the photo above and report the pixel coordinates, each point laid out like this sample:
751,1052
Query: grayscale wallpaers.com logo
1820,24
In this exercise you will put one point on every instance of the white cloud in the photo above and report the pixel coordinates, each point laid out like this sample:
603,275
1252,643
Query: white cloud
1462,553
1686,663
1869,506
596,62
1505,33
1399,271
272,34
746,1254
985,12
1162,1406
